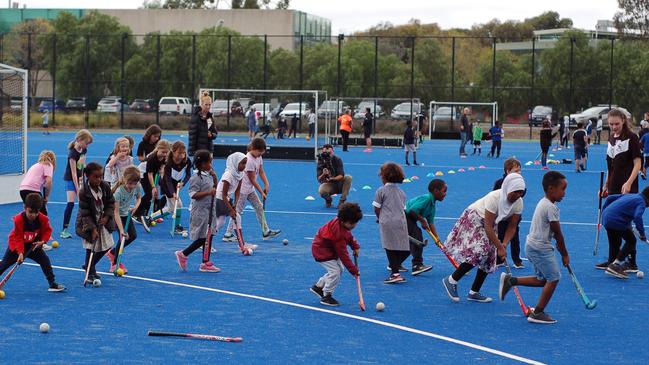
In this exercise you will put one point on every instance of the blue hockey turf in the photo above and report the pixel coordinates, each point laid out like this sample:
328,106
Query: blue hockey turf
264,298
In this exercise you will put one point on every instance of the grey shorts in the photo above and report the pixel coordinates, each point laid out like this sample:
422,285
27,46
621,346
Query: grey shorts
410,148
545,263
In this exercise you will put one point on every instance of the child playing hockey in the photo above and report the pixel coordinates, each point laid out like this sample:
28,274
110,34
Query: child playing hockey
539,250
477,138
409,143
177,172
31,230
77,150
329,248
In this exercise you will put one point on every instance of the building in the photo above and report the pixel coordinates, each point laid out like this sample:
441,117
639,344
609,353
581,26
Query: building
546,38
284,28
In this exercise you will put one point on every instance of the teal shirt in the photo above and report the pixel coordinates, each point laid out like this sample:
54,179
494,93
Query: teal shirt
424,205
126,198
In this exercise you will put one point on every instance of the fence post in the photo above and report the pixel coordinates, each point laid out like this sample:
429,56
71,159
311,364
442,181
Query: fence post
610,76
87,77
29,76
452,72
122,82
157,79
341,38
412,78
301,80
493,72
376,80
53,75
228,78
194,73
533,77
572,47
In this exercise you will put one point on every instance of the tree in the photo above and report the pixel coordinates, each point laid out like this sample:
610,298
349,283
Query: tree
549,20
28,47
152,4
633,17
282,4
187,4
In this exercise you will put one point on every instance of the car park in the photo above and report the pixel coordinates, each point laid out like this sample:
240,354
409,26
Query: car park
294,108
404,110
175,105
49,106
76,104
375,109
144,105
112,104
593,114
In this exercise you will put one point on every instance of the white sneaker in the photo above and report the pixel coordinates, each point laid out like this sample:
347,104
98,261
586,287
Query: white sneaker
229,237
46,247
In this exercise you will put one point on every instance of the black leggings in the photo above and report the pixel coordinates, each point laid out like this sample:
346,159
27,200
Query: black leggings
464,269
38,255
495,145
615,238
514,244
345,136
396,258
414,231
145,203
195,246
95,259
23,196
132,235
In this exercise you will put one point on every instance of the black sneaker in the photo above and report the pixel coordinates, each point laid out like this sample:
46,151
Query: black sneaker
505,285
329,300
401,269
630,267
317,291
179,229
519,265
407,163
616,270
54,287
394,278
418,269
542,318
602,265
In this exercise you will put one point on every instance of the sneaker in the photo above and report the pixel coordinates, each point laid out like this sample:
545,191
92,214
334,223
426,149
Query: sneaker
65,234
505,285
477,297
616,270
121,266
418,269
630,267
401,269
329,300
271,233
545,168
182,260
602,265
394,278
46,247
578,171
179,229
407,163
415,163
451,289
208,267
229,237
519,265
110,256
317,291
542,318
328,202
55,287
643,175
583,168
113,267
250,246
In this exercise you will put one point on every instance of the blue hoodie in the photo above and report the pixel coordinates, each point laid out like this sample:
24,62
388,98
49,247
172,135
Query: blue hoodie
620,209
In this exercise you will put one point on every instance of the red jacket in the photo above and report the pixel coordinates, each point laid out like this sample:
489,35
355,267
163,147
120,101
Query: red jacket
19,237
330,243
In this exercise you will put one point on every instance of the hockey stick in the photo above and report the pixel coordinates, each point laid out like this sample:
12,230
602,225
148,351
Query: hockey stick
153,198
587,302
361,302
417,242
92,255
438,243
120,248
526,310
173,215
15,267
207,247
194,335
242,244
599,212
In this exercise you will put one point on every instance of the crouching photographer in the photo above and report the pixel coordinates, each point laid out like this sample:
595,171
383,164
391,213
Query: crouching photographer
331,176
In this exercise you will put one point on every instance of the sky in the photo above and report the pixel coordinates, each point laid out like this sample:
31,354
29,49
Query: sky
348,16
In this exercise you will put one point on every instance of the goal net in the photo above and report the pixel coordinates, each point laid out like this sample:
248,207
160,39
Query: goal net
445,116
13,120
275,110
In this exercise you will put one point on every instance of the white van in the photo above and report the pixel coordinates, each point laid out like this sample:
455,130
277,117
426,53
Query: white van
175,105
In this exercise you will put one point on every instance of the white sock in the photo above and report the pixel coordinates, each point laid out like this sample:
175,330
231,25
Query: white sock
451,280
471,292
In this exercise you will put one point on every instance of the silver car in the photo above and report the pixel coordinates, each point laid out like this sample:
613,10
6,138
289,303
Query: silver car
375,109
593,113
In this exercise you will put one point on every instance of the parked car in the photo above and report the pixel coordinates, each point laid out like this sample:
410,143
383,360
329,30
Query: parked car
294,108
263,108
220,107
112,104
76,104
539,113
328,107
49,106
593,113
16,105
376,109
446,114
144,105
402,111
175,105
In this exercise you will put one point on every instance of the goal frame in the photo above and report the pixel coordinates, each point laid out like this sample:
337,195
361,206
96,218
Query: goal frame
315,93
4,68
432,124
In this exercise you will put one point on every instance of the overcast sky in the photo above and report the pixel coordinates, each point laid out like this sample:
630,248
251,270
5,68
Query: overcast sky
352,15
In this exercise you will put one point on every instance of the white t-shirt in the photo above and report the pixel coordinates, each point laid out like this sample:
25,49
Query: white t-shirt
490,202
227,176
540,236
253,164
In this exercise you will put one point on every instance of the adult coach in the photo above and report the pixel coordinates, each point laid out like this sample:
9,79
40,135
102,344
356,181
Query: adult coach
331,176
345,121
202,129
464,130
623,161
367,129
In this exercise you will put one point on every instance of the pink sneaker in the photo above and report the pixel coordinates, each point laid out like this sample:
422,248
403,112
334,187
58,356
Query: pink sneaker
110,255
121,266
208,267
182,260
112,267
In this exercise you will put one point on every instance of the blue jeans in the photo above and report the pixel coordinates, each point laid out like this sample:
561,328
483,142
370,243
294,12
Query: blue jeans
463,138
